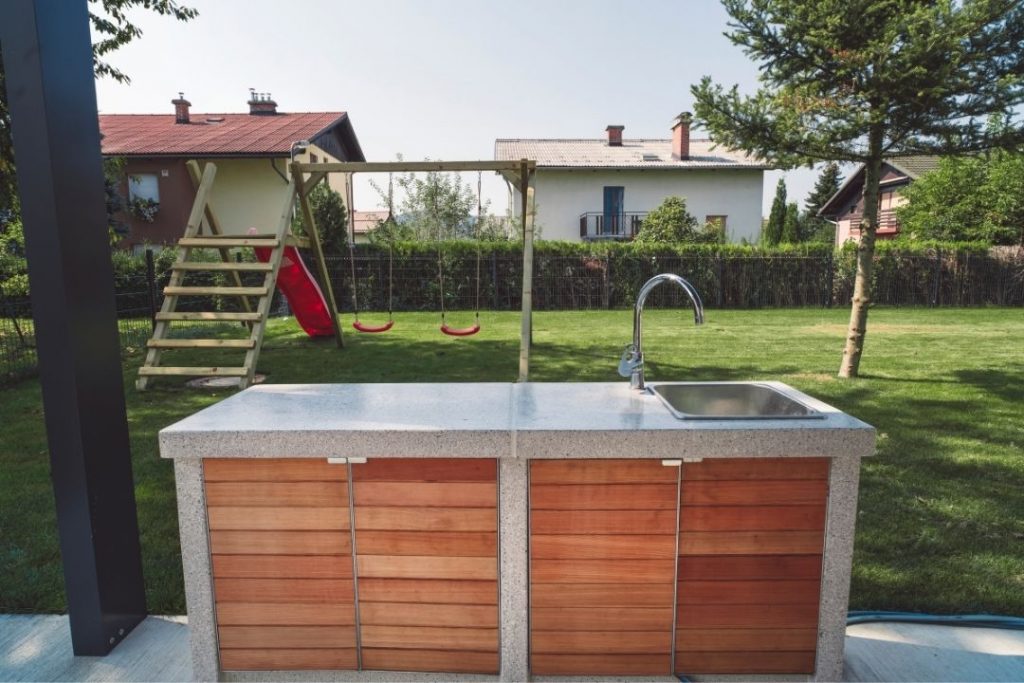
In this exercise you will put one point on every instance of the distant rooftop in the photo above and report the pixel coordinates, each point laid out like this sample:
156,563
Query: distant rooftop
632,153
914,166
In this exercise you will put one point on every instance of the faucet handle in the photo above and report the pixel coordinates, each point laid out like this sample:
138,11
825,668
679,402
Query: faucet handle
629,361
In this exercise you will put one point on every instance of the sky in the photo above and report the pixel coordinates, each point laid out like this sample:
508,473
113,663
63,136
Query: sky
442,79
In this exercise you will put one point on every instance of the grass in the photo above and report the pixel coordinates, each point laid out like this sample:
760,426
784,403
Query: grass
941,521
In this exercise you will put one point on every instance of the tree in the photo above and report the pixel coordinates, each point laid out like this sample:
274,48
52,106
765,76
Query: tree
113,28
772,233
859,80
791,224
434,206
967,198
670,222
331,218
815,228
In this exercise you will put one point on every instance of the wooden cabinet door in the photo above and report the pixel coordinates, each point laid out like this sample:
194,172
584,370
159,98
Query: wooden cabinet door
602,566
426,544
751,538
282,563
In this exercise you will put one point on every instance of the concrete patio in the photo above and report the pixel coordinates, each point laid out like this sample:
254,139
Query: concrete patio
38,648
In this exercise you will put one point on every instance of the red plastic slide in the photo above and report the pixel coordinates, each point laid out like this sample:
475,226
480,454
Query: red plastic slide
302,292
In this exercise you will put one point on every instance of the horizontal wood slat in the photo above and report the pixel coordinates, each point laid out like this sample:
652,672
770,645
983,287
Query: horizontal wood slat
745,662
283,566
405,614
793,492
244,266
192,371
748,592
601,642
278,518
603,571
748,616
426,494
426,567
599,665
753,567
756,468
760,518
298,494
280,543
751,543
284,614
429,591
593,546
226,241
449,661
747,639
543,522
429,637
289,637
264,659
321,591
223,316
426,519
272,469
215,291
438,543
601,595
601,472
427,470
601,619
603,497
201,343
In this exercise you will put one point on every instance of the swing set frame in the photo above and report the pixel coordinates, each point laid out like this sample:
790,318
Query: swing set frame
519,174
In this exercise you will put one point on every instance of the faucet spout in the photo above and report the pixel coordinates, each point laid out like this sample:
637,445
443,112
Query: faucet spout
632,363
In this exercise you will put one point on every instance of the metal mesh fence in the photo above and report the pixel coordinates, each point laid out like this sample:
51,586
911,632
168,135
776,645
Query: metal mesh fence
565,283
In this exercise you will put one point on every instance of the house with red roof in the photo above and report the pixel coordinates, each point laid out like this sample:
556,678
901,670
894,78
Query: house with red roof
251,151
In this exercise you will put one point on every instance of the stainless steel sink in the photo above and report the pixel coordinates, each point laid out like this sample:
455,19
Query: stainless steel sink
724,401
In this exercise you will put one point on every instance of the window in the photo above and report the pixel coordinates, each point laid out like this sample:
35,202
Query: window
312,158
144,186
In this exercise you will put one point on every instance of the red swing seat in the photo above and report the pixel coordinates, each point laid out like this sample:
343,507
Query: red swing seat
373,329
460,331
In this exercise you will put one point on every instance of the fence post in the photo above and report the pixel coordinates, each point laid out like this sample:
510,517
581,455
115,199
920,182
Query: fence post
831,281
151,286
721,280
494,279
608,281
937,275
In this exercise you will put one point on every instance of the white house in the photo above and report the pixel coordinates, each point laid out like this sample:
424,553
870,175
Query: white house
588,189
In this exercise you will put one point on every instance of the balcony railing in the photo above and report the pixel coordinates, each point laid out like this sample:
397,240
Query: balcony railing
597,225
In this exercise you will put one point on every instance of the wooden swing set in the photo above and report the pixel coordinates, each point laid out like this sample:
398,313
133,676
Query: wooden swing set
203,230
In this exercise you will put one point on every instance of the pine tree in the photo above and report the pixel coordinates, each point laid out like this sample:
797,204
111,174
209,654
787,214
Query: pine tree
860,80
815,228
791,224
777,217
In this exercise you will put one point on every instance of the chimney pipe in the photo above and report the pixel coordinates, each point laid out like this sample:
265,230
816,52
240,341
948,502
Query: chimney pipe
615,135
181,106
261,104
681,136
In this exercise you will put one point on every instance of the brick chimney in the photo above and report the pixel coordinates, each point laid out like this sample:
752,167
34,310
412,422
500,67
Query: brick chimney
260,104
615,135
681,136
181,106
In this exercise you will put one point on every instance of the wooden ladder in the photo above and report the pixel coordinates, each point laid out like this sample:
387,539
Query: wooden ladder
254,317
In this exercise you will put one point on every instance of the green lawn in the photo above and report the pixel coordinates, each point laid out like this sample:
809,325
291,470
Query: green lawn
941,523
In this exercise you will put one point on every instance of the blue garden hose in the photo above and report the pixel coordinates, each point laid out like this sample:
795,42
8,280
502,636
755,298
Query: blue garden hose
975,620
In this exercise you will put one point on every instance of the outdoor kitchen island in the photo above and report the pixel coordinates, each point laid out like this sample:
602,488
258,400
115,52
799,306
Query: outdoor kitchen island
502,531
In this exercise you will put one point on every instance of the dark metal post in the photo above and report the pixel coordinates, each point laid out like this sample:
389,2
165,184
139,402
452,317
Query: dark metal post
721,280
151,286
937,277
47,55
831,281
494,278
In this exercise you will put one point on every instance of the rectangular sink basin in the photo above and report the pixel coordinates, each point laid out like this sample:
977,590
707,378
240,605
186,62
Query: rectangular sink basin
725,401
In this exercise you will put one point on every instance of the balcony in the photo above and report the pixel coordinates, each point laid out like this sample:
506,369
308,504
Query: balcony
596,225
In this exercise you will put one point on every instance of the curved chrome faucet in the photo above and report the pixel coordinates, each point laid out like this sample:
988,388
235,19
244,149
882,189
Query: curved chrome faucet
632,362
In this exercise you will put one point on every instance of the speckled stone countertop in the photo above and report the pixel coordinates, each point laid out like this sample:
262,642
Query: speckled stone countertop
529,420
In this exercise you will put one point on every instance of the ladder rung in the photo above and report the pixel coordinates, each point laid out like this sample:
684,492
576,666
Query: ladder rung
229,266
201,343
209,315
217,291
192,371
225,242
